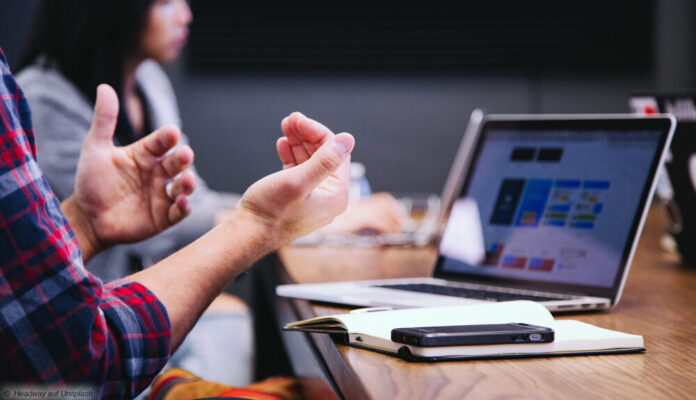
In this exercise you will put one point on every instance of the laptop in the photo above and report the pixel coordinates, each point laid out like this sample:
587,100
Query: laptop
549,208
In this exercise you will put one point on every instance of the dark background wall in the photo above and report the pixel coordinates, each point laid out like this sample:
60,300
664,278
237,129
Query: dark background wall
407,123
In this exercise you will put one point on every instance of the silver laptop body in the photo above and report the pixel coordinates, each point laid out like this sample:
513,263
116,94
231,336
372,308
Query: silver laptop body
541,207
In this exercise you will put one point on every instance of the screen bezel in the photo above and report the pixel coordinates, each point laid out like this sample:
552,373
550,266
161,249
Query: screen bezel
569,123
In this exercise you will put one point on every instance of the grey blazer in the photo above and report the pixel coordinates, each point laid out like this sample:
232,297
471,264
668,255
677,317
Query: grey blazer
62,116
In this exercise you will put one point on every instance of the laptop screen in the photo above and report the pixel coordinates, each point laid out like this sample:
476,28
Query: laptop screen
554,204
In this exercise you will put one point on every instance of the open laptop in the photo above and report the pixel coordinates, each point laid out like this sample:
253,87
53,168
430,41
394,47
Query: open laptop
549,209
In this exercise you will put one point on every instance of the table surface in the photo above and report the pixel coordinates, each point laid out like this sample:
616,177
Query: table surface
658,302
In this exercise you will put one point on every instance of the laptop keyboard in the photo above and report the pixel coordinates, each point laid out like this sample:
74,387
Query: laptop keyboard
477,294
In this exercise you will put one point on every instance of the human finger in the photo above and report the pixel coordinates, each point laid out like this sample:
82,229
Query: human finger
179,209
299,151
105,116
285,153
289,127
313,132
304,135
173,164
159,142
285,126
300,154
326,161
184,184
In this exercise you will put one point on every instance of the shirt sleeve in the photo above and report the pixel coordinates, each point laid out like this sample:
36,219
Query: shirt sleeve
59,323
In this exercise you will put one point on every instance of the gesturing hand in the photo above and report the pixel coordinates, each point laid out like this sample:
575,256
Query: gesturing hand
379,212
311,189
121,192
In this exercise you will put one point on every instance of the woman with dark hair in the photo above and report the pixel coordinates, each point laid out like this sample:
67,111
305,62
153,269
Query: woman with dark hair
93,42
75,46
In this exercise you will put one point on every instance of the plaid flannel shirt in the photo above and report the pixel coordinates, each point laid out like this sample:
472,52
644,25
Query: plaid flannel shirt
58,323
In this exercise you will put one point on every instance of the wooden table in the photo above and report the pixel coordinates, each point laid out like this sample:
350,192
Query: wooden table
659,302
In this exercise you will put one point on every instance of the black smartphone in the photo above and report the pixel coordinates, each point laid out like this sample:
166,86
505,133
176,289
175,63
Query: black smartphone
463,335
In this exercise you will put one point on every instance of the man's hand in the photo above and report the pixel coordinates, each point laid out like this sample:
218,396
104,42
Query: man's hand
380,212
126,194
308,193
311,190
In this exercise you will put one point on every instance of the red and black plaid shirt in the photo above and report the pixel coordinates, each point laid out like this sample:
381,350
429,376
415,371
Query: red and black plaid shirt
58,323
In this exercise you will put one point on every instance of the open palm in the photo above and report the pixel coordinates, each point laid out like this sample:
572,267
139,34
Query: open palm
123,190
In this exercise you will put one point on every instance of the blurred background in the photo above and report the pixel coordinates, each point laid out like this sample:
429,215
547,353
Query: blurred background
403,76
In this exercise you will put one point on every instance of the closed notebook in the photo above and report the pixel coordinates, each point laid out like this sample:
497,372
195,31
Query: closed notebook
372,330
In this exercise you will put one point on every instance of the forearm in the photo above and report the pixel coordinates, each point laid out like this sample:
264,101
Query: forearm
187,281
86,237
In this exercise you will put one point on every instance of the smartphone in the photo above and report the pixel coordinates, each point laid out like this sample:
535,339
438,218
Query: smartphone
464,335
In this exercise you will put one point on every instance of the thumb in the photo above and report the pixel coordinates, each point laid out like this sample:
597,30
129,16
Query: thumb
326,160
105,116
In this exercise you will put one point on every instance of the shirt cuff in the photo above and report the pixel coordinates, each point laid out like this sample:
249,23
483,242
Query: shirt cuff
141,331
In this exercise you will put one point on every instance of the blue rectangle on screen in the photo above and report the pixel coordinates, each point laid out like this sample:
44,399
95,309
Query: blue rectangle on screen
597,208
560,208
555,222
536,192
567,184
509,260
595,185
535,263
584,225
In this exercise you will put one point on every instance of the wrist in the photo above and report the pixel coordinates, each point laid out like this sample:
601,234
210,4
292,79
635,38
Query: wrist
258,232
87,238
